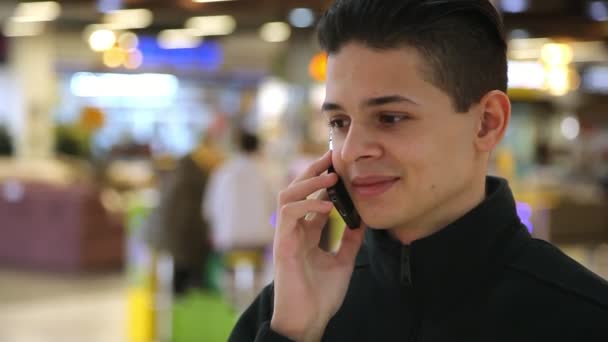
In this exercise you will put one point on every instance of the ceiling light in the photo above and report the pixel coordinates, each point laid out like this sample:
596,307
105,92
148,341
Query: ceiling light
129,19
598,10
273,99
102,40
595,79
558,81
526,75
128,41
275,32
556,54
212,25
105,6
22,29
519,34
201,1
134,59
317,68
178,39
124,85
570,127
37,11
114,57
514,6
301,17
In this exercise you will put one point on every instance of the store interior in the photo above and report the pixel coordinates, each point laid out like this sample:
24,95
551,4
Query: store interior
101,99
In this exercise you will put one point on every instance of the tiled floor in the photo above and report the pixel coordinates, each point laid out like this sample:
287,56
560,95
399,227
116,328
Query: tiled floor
54,308
57,308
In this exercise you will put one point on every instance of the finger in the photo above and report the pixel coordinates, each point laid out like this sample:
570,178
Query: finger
316,218
351,243
301,190
316,168
290,213
315,228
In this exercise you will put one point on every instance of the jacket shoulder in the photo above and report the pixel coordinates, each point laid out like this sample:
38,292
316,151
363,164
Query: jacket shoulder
255,318
544,264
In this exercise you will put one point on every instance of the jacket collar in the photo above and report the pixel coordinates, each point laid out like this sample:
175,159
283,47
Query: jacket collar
462,252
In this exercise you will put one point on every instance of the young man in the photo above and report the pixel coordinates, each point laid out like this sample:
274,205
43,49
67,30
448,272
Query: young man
416,101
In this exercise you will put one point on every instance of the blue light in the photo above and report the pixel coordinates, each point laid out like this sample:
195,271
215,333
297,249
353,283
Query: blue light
301,17
274,219
598,10
524,212
519,34
514,6
105,6
207,57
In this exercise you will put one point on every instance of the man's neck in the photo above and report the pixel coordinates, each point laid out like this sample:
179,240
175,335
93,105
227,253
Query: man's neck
442,215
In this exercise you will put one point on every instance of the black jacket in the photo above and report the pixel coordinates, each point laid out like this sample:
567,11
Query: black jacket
482,278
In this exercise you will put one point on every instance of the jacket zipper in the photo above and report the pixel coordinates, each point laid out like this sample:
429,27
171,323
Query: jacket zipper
406,280
406,271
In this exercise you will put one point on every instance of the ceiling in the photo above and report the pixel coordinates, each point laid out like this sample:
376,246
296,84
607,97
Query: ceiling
541,18
173,13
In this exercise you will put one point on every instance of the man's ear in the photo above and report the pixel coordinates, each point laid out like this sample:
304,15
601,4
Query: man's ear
495,115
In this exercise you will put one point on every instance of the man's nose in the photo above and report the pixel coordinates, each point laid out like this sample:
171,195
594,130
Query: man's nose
359,143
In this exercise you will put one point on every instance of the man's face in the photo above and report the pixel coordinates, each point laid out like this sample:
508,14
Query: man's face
405,155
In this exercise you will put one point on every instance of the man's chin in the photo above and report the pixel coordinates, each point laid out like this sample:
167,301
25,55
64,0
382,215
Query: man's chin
383,220
378,224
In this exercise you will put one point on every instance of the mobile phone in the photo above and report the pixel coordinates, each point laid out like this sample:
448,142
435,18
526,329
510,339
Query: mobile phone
343,203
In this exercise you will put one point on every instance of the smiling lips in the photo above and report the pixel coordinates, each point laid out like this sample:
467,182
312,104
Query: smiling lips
371,186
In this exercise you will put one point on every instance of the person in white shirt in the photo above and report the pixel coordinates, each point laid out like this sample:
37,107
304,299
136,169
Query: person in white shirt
239,203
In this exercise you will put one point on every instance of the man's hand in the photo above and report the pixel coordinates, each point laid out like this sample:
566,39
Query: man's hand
309,283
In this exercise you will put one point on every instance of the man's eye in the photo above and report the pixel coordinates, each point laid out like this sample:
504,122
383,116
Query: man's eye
337,123
391,118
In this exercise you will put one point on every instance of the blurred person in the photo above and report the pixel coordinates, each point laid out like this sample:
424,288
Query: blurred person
6,142
416,99
178,225
239,203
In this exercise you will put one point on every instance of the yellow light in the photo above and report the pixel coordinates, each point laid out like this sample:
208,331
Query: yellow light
202,1
318,67
102,40
134,59
558,80
575,79
91,118
556,54
114,57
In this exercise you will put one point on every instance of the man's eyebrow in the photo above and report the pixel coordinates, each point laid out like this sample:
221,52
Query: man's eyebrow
382,100
371,102
329,106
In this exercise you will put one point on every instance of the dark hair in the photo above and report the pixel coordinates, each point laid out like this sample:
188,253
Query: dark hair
462,40
248,142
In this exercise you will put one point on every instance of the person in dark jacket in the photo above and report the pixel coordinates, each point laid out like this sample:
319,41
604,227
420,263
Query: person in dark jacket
179,227
416,100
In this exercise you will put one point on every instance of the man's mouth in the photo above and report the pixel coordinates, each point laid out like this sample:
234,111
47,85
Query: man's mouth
372,186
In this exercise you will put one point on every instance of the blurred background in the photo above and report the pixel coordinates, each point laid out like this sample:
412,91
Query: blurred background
118,117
